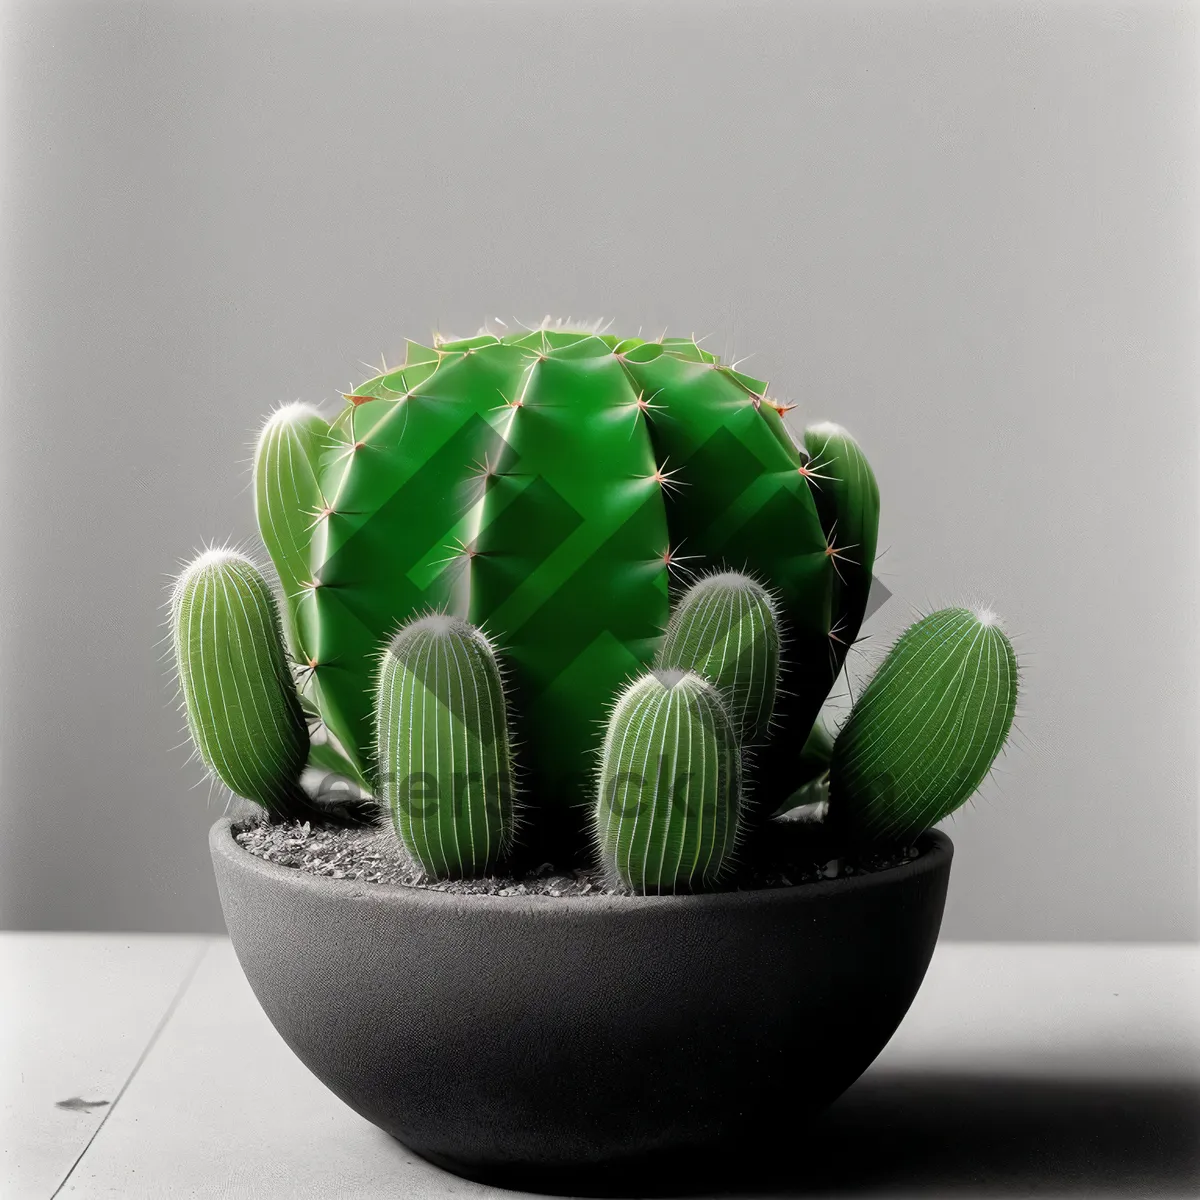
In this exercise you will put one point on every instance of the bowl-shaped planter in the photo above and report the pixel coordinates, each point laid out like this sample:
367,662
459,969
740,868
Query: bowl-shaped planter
584,1044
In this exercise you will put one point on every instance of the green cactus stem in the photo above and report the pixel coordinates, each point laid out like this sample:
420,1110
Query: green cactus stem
238,693
926,729
724,628
669,789
443,759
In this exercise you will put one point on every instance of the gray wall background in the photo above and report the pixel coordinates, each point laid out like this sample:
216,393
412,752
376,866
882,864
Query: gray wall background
968,232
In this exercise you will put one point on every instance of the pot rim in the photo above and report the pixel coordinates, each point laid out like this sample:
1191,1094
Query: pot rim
937,850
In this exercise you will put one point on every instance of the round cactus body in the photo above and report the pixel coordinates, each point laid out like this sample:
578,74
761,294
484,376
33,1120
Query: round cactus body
444,768
549,487
926,729
239,696
669,791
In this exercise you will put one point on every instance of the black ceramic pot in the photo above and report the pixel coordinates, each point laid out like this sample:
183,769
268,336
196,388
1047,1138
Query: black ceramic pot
586,1044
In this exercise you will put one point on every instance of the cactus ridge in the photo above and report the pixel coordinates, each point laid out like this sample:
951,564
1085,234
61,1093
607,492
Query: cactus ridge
442,726
239,696
669,787
928,727
724,628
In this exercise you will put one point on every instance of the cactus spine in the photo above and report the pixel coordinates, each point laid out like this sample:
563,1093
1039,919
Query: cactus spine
927,728
241,703
669,800
724,629
443,758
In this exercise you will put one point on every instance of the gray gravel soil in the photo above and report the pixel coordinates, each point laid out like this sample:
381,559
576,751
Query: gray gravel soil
376,856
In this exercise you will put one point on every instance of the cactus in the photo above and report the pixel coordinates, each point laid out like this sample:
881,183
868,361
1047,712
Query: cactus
724,629
557,487
547,486
666,817
240,700
443,756
926,729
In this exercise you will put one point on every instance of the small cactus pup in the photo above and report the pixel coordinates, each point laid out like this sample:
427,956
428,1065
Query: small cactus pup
926,729
725,629
668,807
290,507
444,765
288,501
847,499
238,692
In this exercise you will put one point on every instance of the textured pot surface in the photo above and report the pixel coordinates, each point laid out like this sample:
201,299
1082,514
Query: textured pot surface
586,1043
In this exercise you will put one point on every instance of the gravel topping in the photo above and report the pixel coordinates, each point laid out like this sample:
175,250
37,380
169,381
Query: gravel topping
375,856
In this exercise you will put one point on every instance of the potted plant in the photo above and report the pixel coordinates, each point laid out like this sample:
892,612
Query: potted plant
559,614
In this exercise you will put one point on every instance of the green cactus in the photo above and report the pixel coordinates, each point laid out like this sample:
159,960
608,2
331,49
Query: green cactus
544,485
847,499
724,629
669,789
926,729
239,696
443,758
556,487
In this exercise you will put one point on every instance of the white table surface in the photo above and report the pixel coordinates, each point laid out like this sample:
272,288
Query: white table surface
1021,1070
